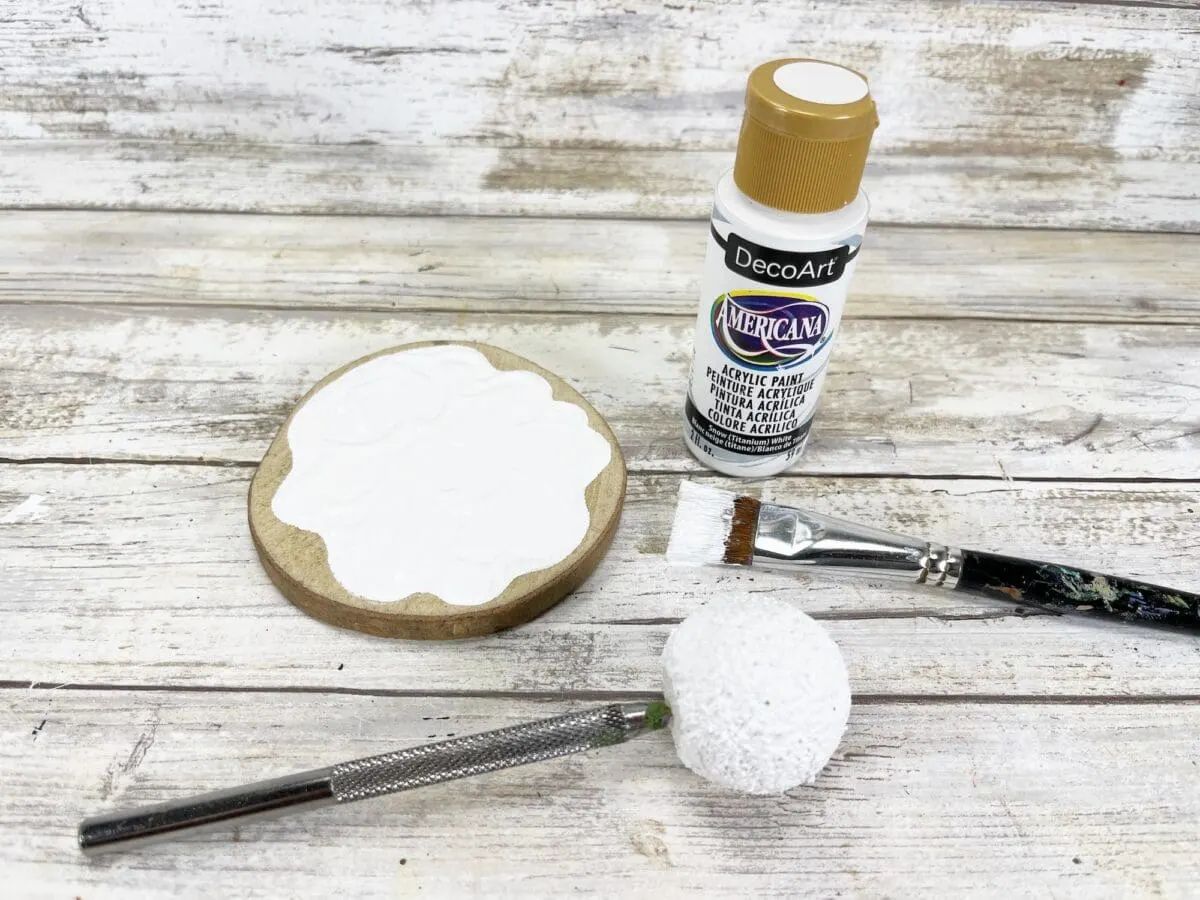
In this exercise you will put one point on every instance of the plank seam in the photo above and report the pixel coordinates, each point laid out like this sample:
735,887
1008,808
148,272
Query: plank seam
621,219
596,217
351,309
865,699
1137,4
182,461
190,462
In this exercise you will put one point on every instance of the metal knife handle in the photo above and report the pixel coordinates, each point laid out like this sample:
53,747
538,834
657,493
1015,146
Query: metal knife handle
479,753
375,775
127,829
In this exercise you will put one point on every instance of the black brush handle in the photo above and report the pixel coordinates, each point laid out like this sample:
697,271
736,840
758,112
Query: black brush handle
1067,589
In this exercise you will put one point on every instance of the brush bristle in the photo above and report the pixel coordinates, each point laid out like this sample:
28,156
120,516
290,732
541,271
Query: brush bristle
712,527
739,545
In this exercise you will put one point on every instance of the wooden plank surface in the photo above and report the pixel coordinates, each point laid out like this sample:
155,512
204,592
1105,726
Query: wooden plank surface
160,560
972,744
1023,191
960,397
146,655
920,801
989,116
616,266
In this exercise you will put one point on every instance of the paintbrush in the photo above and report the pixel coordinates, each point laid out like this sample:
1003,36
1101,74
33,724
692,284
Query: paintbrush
716,527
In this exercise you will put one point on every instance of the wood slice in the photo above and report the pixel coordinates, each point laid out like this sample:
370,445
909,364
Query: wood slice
297,563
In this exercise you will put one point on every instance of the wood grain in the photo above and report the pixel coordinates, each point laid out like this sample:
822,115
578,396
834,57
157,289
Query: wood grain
922,398
988,115
297,561
160,559
989,753
1024,191
919,801
624,267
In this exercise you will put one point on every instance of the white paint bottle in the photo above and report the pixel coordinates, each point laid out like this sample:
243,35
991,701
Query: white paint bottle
787,224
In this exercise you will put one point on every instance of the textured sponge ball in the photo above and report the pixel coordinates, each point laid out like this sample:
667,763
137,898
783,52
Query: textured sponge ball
758,692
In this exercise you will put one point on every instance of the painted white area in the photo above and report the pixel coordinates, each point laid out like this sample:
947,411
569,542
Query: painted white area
30,509
702,522
917,810
122,521
327,106
820,82
276,359
432,471
320,262
759,693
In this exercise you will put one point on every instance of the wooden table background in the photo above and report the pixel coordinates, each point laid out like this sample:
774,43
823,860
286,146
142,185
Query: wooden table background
207,205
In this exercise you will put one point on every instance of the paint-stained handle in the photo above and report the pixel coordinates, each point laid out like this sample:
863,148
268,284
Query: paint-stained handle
1067,589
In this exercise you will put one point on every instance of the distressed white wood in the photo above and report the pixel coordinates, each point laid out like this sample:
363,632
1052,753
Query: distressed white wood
146,575
637,73
1022,191
576,265
981,800
152,528
903,397
138,580
995,113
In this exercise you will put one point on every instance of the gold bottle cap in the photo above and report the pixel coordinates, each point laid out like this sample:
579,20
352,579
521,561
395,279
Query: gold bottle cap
805,135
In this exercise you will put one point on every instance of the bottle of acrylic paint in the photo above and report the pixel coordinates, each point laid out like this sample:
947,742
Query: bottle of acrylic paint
787,224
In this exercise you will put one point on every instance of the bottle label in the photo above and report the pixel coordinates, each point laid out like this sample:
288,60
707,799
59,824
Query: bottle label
767,319
785,268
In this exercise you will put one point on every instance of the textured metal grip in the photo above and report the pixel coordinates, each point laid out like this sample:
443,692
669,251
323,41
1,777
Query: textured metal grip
376,775
479,753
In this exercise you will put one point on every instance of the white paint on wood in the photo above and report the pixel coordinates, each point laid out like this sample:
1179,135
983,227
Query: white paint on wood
577,265
636,74
1024,191
402,462
981,800
146,575
987,114
192,517
143,575
952,397
29,509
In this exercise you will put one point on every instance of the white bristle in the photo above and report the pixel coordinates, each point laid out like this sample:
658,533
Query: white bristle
702,522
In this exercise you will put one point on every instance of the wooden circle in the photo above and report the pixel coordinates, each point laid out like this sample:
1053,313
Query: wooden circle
296,560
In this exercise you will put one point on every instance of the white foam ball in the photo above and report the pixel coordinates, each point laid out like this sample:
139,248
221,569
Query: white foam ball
758,692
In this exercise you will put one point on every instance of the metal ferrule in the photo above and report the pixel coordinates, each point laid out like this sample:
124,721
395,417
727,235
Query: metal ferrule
788,537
